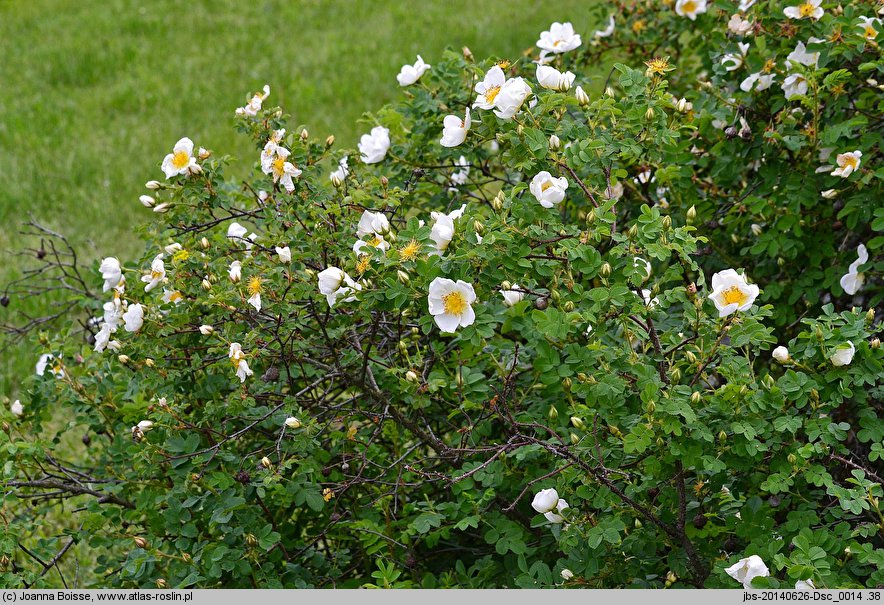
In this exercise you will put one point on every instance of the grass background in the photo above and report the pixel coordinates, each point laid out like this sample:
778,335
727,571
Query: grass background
95,93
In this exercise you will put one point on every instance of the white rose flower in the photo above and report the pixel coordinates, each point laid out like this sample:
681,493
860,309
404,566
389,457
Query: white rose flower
780,354
236,231
690,8
801,56
545,500
733,61
50,362
868,26
829,193
372,223
650,302
604,33
559,38
238,358
843,354
450,303
805,584
808,8
852,281
284,253
567,574
794,85
745,570
552,79
511,97
235,271
461,176
556,517
442,231
181,160
172,296
489,88
454,129
731,292
739,26
847,163
757,80
646,265
409,74
254,105
145,425
157,273
341,174
111,272
274,161
17,408
373,147
512,297
102,338
333,283
548,190
133,318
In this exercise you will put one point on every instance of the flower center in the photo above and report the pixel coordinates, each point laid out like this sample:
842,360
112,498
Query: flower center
454,303
689,7
279,166
734,295
156,274
180,159
546,185
254,285
870,32
175,296
491,94
806,9
409,252
850,161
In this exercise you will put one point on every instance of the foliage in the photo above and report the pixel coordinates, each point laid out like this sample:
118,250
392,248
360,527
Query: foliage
353,443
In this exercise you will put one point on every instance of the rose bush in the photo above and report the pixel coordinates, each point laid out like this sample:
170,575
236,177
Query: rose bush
523,336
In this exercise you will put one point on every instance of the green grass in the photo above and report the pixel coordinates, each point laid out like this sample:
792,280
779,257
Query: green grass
95,93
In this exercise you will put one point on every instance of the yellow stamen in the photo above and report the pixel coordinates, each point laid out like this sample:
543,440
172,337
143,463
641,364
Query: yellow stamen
454,303
254,286
180,159
181,255
734,295
156,274
491,94
175,296
870,32
546,186
806,10
689,7
363,264
409,251
278,166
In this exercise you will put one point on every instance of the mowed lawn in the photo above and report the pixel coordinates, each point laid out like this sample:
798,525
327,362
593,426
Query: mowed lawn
95,93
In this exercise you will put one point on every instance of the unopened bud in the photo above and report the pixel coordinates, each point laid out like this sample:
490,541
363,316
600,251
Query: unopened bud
206,330
792,458
566,384
553,413
411,376
632,231
722,436
336,180
204,242
506,285
479,227
140,542
304,134
402,276
554,143
467,53
384,182
695,397
609,91
292,422
186,557
875,343
651,407
676,375
497,202
683,106
458,378
575,439
161,583
330,140
147,201
581,95
568,306
207,285
153,185
649,114
692,214
667,223
161,208
606,269
577,422
870,315
671,577
149,362
123,358
265,462
251,540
